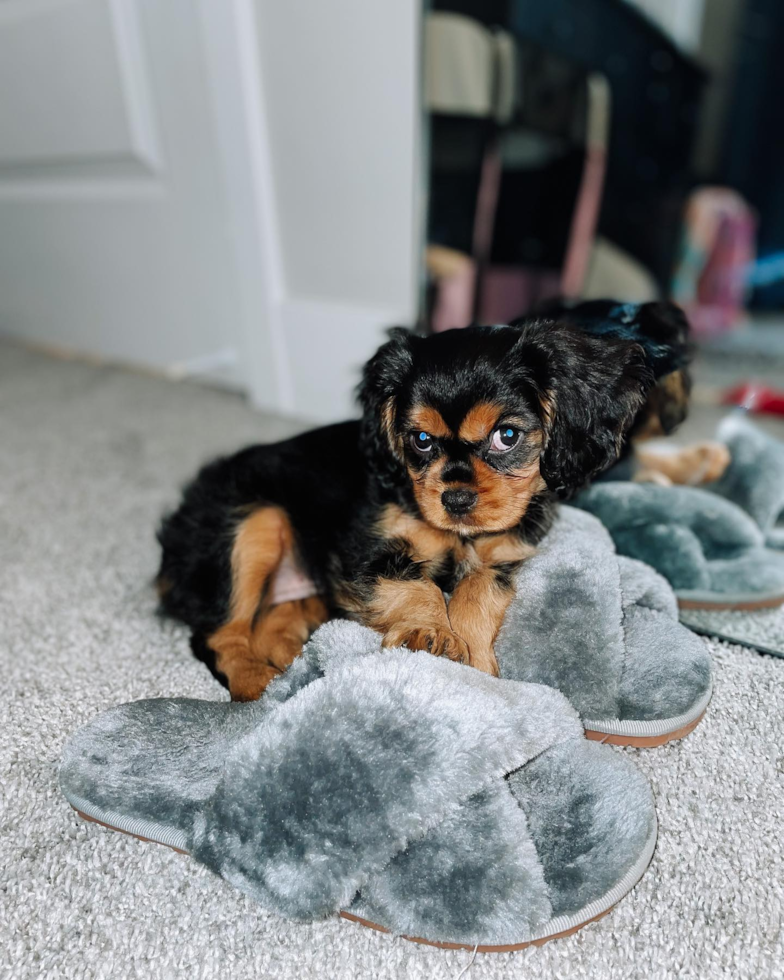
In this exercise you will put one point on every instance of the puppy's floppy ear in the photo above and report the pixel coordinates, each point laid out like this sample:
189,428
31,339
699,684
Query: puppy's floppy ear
382,378
590,389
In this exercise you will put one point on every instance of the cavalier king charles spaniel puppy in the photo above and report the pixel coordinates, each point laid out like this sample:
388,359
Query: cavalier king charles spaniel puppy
414,519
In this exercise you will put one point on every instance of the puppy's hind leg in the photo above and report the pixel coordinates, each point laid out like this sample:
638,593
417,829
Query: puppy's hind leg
702,462
260,542
276,639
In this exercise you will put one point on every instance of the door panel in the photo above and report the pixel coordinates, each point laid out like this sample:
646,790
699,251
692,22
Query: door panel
113,241
65,96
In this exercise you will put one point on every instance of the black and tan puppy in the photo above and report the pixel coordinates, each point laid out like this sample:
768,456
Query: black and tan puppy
445,486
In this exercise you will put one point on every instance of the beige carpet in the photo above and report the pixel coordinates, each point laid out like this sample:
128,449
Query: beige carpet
89,457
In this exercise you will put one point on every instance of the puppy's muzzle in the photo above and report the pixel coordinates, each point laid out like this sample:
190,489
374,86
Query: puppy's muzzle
458,503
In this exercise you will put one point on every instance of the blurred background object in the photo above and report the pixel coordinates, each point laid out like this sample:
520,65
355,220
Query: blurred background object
637,157
248,193
602,136
712,275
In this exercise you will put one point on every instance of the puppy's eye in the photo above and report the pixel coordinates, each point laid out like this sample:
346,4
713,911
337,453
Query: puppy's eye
421,441
505,438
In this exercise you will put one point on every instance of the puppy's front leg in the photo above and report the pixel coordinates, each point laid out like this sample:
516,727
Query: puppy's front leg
480,600
410,610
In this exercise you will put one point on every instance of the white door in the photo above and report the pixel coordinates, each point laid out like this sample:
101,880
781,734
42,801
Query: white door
182,183
114,237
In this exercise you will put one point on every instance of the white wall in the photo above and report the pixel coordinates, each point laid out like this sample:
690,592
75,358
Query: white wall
340,88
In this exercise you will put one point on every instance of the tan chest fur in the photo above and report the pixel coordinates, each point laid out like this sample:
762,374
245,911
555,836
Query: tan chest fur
433,546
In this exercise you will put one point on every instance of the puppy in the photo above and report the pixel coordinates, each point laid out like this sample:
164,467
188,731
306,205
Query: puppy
662,330
446,485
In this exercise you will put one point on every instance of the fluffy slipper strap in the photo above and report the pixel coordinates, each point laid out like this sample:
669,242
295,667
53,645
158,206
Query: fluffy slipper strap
329,787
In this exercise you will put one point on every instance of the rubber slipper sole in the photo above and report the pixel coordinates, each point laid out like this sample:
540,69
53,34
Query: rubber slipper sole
561,926
648,734
511,948
740,605
644,741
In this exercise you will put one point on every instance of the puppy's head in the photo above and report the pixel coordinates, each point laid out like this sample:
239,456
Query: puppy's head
479,421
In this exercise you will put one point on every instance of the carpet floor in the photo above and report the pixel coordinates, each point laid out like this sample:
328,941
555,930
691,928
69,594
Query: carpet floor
89,458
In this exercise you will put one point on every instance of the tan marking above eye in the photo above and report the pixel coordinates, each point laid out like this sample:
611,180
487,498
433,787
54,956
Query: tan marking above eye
429,420
480,421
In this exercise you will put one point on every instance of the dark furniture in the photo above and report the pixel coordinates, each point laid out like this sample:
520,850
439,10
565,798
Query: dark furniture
656,94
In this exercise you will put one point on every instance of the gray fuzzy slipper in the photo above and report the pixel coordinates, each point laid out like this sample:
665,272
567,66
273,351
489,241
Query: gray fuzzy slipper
604,630
416,795
709,550
754,479
762,629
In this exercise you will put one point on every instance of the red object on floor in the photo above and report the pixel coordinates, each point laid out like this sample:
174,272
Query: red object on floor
755,398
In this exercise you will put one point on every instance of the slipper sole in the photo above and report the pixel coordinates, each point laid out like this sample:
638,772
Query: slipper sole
562,926
644,741
648,734
511,948
741,605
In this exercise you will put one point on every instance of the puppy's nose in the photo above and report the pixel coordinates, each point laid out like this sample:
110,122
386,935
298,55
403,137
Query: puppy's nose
458,502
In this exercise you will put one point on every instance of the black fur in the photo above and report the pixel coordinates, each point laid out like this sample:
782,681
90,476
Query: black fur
662,330
319,477
505,572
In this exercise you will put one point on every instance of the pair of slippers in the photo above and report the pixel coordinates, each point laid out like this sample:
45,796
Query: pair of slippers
416,795
720,547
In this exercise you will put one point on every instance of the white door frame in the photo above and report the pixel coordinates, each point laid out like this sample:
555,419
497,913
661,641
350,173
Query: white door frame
316,344
229,31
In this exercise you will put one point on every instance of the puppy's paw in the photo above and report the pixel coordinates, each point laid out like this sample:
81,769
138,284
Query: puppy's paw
711,460
439,641
484,660
652,476
703,462
249,682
